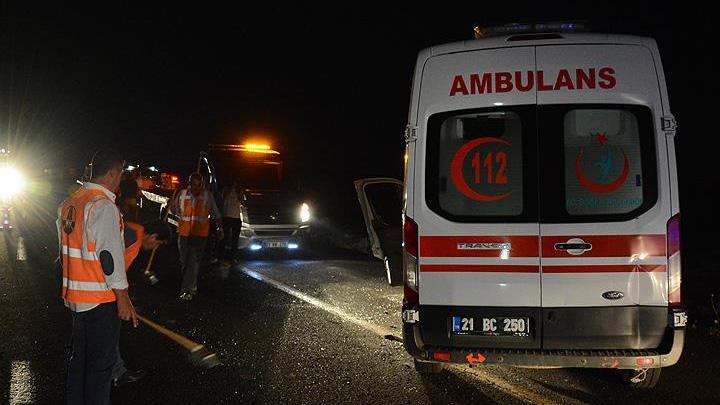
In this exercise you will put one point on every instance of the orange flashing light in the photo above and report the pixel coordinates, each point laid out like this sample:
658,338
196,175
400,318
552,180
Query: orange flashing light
258,148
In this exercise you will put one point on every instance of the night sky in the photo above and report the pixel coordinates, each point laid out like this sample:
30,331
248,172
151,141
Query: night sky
330,88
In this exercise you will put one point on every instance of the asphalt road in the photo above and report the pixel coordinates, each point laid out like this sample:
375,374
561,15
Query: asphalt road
321,328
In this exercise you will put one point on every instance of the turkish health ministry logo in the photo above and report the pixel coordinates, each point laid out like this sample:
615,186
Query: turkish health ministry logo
600,181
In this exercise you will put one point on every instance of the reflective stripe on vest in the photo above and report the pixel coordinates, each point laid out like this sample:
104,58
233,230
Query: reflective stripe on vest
77,253
132,251
194,214
83,277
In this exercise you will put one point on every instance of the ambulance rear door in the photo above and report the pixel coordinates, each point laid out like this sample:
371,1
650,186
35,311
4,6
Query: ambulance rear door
476,211
380,200
605,198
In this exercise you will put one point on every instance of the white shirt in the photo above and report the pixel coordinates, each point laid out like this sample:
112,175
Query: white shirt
232,208
103,226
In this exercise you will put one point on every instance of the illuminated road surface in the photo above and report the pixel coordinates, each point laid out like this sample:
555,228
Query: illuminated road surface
288,331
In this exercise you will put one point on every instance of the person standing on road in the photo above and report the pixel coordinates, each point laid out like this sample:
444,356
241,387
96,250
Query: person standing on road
95,286
194,207
137,237
232,219
129,192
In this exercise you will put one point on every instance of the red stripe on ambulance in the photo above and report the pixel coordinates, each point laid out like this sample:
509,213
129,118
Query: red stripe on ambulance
463,268
605,269
608,245
447,246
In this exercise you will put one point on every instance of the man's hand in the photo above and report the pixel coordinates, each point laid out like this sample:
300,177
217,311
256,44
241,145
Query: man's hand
126,310
221,233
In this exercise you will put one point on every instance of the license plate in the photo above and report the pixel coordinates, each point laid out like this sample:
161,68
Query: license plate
491,326
275,244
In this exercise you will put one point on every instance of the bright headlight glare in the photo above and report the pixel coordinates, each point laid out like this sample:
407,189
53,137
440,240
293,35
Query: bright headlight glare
11,181
304,213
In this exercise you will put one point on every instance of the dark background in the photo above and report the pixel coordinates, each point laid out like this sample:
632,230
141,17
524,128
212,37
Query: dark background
329,87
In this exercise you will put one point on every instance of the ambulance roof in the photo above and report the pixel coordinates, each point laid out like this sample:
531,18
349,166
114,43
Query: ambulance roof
536,39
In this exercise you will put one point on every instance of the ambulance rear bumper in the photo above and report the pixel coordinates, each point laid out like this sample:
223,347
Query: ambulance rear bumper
666,354
618,359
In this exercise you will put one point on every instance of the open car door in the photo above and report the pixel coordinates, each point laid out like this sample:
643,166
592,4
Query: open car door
381,202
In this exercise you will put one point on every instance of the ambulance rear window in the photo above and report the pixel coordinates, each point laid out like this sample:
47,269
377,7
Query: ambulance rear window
603,173
598,162
477,164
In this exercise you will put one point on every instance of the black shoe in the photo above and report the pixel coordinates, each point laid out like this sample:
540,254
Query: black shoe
129,377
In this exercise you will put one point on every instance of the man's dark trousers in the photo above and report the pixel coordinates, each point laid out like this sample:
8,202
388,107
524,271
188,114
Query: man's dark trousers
93,348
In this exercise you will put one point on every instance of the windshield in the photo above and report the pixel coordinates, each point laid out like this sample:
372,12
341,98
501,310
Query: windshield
252,172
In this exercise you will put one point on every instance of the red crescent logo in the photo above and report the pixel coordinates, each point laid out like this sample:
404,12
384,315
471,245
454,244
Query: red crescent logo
457,175
600,187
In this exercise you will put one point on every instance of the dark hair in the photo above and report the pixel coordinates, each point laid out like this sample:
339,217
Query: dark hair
103,160
158,228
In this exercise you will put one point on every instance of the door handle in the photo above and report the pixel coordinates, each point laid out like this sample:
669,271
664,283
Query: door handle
574,246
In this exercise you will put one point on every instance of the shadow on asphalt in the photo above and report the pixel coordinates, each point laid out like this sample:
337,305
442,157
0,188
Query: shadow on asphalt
601,377
10,239
447,387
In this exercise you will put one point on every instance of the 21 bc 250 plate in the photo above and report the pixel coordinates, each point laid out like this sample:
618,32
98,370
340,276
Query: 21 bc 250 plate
491,326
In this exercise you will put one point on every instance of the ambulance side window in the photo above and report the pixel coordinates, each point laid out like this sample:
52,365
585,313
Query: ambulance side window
481,165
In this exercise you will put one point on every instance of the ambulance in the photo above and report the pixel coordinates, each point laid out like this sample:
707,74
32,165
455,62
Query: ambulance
541,218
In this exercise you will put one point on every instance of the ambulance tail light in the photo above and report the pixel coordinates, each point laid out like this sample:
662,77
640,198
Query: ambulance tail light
673,258
442,356
410,260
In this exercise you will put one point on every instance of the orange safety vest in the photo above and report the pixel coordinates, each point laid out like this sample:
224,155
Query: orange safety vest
83,277
194,214
132,251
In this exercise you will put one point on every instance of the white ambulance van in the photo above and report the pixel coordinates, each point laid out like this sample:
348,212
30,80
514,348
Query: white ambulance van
541,222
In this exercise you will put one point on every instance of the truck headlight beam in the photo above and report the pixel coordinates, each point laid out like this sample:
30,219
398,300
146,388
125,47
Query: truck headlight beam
12,182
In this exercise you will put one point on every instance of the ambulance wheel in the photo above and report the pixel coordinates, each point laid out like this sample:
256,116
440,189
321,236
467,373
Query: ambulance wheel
393,270
643,378
427,367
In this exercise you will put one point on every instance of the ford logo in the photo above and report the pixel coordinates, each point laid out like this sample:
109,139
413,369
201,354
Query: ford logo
612,295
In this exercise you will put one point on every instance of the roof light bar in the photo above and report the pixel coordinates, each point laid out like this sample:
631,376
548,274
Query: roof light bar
258,146
528,28
254,148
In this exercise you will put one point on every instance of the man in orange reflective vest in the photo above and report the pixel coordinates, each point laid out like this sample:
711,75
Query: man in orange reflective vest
95,287
194,207
137,237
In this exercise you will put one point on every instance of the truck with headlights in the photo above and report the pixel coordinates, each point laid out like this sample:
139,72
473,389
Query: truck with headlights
274,214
